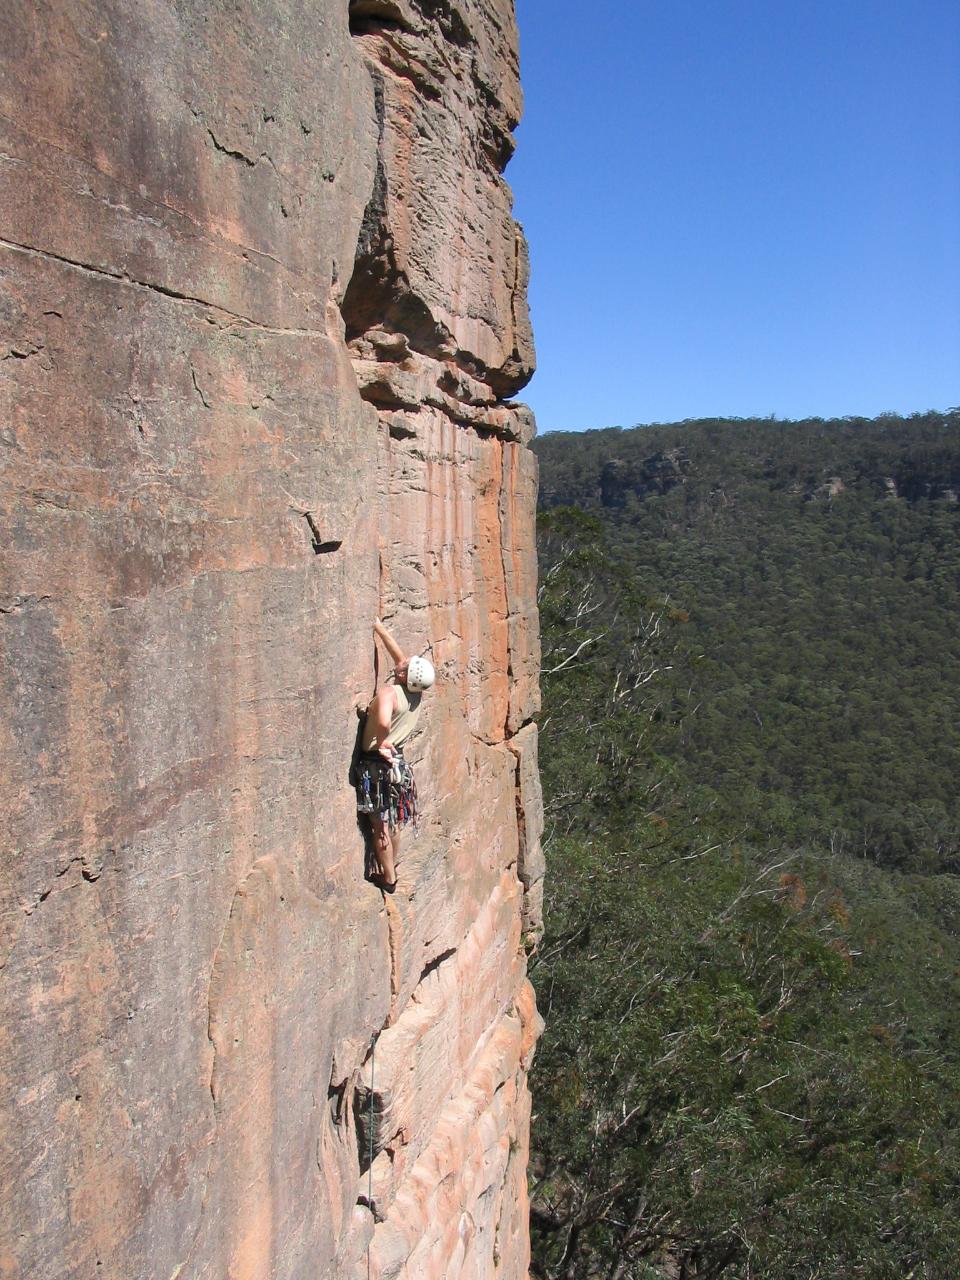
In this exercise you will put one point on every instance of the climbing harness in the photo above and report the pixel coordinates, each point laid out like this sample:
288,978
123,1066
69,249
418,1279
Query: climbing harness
387,790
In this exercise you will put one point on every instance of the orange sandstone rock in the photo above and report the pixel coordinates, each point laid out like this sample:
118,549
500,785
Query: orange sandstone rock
262,302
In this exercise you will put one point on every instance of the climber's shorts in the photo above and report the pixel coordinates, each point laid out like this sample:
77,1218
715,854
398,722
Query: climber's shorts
386,791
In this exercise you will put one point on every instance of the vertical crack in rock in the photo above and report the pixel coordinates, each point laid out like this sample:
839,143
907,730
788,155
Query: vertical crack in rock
529,810
197,387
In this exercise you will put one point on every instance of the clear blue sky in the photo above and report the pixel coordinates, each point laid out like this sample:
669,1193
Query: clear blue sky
742,207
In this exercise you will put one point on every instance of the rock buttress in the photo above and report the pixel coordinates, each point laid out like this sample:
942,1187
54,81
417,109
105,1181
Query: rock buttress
261,302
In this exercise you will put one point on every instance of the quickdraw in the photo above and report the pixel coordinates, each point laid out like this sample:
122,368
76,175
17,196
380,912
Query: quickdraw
403,795
387,790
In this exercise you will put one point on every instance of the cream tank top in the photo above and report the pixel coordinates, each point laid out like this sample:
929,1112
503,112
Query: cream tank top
402,723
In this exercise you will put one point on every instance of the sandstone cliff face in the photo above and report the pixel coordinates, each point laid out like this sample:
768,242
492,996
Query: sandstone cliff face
261,303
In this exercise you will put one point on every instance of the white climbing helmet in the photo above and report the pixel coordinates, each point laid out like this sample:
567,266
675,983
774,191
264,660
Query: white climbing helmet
420,674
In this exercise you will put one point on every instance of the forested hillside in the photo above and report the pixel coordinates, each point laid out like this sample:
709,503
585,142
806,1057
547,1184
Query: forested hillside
750,753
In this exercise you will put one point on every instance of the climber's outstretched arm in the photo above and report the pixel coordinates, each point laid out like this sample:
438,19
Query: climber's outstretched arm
391,646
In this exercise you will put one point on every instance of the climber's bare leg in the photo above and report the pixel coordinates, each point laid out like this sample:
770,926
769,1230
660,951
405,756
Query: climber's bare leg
386,847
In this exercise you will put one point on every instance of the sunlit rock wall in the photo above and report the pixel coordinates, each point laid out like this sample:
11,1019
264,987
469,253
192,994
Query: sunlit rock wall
262,306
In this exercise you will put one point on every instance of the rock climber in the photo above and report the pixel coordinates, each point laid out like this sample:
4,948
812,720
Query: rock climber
386,791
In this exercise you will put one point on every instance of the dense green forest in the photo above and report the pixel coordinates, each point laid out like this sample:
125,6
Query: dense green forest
750,743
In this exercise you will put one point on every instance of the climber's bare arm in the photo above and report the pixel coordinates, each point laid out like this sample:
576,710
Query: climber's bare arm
379,714
391,646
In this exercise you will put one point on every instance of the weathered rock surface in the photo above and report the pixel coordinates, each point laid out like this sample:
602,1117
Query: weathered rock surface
261,302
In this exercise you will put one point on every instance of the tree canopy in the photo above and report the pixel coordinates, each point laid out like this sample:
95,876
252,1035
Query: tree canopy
752,1059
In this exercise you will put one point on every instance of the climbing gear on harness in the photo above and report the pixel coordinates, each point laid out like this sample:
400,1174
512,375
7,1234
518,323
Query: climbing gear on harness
387,789
420,674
